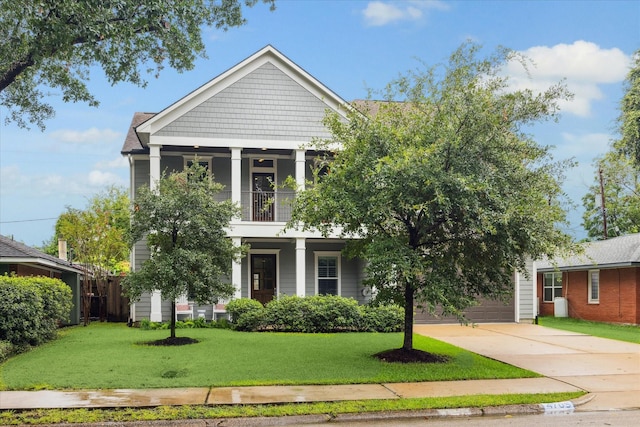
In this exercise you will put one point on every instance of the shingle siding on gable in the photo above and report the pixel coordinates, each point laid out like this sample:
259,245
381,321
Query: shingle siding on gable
265,104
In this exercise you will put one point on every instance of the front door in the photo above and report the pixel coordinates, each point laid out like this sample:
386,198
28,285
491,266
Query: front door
263,196
263,277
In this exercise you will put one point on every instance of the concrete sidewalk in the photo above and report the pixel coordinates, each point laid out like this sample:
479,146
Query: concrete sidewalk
570,362
271,394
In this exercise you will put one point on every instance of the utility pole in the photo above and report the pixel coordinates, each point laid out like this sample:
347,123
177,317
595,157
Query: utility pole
604,208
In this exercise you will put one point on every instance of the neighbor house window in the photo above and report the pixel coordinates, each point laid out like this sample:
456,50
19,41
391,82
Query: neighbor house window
594,286
328,273
552,286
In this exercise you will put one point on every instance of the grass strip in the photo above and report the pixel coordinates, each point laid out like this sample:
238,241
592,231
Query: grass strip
168,413
628,333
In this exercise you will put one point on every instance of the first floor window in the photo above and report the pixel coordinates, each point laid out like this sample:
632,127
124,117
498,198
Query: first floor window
594,286
328,273
552,286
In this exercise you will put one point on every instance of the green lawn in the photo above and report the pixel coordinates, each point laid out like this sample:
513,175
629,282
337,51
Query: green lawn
113,356
629,333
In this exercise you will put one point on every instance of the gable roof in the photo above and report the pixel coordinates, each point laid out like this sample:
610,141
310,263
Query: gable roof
19,253
622,251
212,101
132,143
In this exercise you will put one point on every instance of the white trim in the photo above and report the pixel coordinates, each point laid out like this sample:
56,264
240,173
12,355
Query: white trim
301,266
336,254
591,300
516,295
275,252
554,285
268,54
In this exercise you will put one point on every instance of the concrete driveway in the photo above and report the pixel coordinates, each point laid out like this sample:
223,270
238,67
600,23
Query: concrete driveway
608,369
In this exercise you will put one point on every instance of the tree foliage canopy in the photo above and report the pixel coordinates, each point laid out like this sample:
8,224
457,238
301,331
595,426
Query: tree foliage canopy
185,230
445,192
51,45
97,235
629,119
621,185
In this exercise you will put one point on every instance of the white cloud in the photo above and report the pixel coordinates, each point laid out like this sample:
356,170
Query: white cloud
17,183
380,13
584,66
103,179
92,135
117,163
583,147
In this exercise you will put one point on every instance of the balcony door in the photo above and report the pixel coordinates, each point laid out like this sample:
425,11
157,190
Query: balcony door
263,277
263,196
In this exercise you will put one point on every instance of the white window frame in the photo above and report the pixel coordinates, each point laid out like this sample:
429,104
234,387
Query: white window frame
592,300
556,284
335,254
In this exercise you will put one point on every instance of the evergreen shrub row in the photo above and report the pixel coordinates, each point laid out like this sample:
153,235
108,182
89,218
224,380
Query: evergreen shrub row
312,314
31,310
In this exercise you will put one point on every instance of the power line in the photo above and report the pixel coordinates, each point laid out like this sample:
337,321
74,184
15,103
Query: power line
27,220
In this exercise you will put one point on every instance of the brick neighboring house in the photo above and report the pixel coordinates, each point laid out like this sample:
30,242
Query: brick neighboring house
603,284
22,260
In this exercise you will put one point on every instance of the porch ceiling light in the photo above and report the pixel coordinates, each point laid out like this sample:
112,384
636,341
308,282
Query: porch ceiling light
196,147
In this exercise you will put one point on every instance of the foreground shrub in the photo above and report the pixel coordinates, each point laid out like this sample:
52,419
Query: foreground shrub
383,318
316,314
32,308
6,350
238,307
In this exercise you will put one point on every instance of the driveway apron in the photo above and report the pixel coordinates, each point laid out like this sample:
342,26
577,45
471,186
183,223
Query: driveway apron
608,369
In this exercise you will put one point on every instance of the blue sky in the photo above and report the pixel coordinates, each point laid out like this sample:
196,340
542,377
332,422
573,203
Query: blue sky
349,46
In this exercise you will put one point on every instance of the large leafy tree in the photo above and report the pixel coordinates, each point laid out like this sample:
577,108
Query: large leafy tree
51,45
96,237
444,191
629,119
184,229
613,199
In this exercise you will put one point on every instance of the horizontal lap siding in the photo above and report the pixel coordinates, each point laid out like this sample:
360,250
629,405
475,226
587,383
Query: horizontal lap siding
488,311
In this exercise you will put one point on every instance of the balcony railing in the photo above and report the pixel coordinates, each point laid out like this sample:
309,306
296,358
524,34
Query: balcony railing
263,206
267,206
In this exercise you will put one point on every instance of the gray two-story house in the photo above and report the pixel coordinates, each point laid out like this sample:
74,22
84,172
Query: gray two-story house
252,127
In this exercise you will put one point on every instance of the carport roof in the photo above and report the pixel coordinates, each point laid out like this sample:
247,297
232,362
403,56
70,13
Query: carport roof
623,251
12,251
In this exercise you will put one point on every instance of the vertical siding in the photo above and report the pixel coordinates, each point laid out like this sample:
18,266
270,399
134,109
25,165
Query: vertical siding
285,168
526,294
143,307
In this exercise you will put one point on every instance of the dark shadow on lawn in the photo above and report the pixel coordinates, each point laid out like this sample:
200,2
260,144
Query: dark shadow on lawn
172,341
401,355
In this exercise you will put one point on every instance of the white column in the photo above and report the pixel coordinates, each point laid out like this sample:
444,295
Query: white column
236,175
154,177
154,165
300,168
301,269
156,307
236,271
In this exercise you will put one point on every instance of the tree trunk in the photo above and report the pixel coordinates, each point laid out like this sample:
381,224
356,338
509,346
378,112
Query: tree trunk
408,316
173,319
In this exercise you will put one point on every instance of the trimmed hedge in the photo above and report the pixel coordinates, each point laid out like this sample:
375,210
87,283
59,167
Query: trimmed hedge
314,314
31,309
